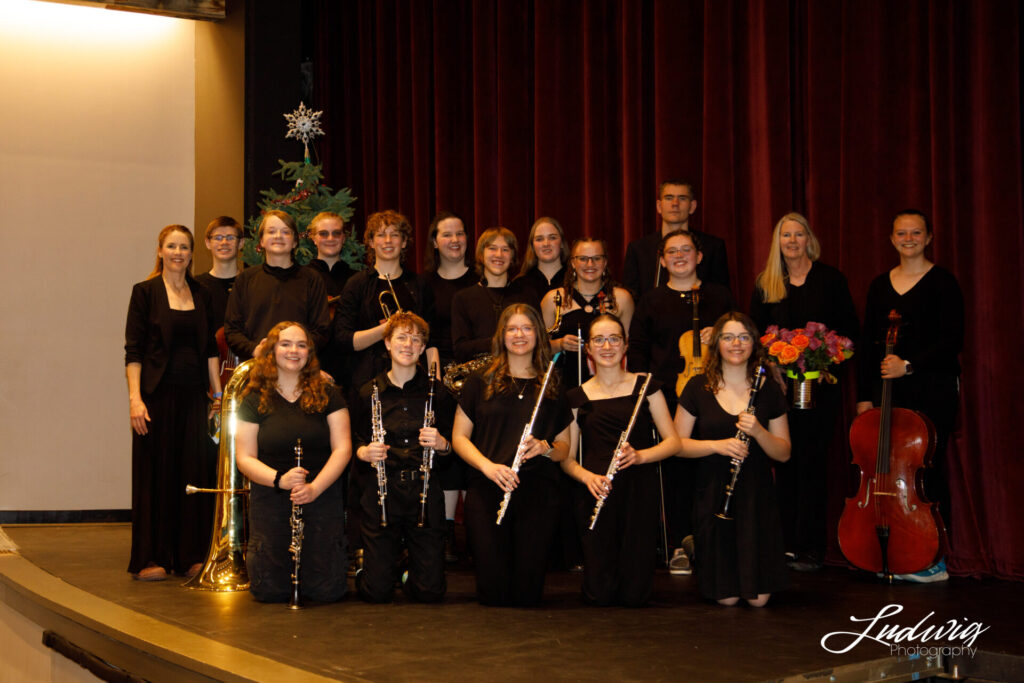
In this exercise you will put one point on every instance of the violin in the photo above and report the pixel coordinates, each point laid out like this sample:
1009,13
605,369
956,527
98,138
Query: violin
691,350
889,526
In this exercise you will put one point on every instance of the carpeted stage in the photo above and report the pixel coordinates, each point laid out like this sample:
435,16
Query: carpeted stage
71,581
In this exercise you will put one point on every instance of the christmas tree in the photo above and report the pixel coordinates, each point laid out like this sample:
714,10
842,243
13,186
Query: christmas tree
307,197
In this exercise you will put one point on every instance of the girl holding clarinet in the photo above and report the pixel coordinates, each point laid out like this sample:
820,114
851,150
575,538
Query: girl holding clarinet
728,420
616,409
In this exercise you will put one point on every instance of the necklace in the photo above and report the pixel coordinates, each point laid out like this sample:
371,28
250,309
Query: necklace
522,389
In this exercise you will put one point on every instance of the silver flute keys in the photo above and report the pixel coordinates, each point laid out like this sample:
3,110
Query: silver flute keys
613,466
298,532
378,437
517,461
742,436
428,451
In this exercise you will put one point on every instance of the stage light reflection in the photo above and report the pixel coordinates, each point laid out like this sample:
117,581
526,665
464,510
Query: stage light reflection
80,25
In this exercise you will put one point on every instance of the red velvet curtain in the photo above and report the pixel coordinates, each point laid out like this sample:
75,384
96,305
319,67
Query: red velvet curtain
505,110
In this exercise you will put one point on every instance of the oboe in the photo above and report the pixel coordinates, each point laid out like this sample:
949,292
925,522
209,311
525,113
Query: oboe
613,466
378,437
517,461
298,529
742,436
428,451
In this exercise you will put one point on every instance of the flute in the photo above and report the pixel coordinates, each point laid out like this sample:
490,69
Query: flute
745,438
428,451
298,531
517,461
378,437
613,466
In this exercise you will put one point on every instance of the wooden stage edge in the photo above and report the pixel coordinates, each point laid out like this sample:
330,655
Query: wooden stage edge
126,639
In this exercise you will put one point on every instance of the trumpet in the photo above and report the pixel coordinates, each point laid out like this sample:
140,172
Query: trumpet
517,461
742,436
427,463
390,291
613,466
378,437
298,532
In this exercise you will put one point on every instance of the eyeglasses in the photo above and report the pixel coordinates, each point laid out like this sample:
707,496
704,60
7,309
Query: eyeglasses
524,329
680,250
589,259
614,340
324,234
742,338
223,238
412,339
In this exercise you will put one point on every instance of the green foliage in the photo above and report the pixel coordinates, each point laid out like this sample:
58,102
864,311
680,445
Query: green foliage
306,199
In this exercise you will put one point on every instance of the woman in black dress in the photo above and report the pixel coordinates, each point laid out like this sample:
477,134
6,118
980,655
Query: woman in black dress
286,400
447,265
170,360
619,552
925,365
742,557
793,289
547,252
588,291
495,406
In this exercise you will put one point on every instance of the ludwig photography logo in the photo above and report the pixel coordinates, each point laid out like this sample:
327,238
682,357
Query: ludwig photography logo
926,638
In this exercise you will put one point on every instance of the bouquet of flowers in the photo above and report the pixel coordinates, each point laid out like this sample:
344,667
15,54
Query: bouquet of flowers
807,352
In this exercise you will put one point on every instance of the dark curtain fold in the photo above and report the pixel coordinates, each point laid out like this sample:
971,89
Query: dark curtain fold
846,110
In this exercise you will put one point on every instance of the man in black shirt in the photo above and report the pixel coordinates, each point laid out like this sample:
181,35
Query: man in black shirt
223,239
676,203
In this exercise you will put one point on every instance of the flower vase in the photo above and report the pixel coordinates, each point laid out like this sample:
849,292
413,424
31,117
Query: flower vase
801,391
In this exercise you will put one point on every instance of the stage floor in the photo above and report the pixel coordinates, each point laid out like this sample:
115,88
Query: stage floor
679,636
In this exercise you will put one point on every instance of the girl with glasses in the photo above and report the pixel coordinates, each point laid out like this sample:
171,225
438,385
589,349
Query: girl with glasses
742,557
619,552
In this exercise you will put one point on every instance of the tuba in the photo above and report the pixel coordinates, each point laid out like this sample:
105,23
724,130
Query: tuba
224,569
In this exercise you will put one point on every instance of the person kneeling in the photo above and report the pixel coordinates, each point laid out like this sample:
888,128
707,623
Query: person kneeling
396,435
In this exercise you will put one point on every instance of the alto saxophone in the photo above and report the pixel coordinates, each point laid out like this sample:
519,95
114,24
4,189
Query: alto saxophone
742,436
427,463
378,437
613,466
298,531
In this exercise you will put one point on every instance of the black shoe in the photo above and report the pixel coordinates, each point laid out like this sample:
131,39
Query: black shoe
805,562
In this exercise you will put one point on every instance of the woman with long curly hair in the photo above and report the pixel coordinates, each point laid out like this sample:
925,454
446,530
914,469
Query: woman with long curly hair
495,406
742,557
286,400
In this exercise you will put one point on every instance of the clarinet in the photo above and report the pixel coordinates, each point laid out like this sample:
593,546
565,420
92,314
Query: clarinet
613,466
428,451
527,430
742,436
298,529
378,437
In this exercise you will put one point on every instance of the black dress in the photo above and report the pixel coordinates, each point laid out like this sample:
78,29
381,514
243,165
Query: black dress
579,319
169,528
931,337
538,284
323,563
511,558
619,553
475,313
802,481
745,556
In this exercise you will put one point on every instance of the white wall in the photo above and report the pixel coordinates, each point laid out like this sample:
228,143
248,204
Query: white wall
97,145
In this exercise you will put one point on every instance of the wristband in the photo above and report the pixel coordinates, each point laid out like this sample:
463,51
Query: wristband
217,394
277,479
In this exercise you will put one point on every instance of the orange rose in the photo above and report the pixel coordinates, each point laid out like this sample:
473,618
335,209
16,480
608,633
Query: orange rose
767,339
776,348
800,341
789,354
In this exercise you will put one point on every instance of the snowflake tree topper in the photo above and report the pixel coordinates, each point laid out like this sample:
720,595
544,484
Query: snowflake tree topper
304,124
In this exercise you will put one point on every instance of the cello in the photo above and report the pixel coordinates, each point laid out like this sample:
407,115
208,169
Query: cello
889,526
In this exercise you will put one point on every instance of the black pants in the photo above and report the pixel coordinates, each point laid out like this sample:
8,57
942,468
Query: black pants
511,559
323,564
382,545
